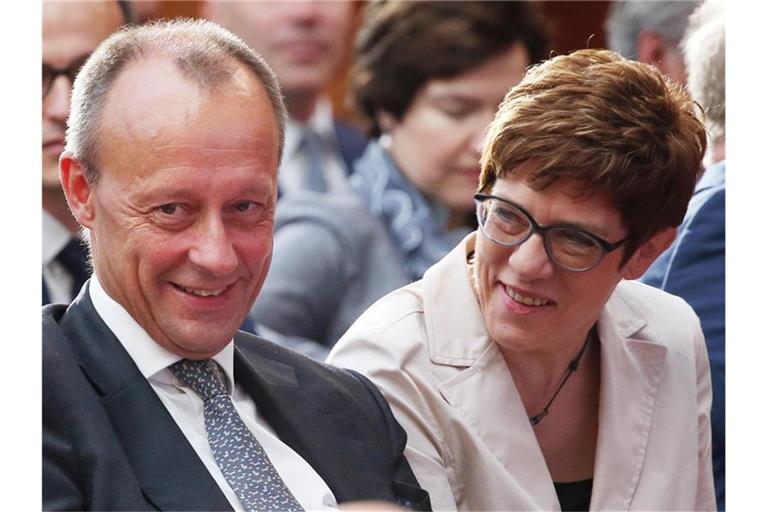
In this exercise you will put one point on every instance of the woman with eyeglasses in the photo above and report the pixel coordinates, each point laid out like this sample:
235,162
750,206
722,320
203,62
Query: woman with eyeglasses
529,371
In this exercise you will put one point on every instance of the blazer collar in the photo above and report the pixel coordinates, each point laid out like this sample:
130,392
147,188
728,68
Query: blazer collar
631,366
274,388
307,414
169,471
456,332
630,373
457,337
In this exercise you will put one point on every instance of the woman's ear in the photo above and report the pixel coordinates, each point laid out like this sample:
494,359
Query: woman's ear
77,190
385,120
647,253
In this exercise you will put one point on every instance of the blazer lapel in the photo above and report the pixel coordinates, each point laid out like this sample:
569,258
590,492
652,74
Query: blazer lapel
630,374
311,421
484,389
270,384
487,386
169,471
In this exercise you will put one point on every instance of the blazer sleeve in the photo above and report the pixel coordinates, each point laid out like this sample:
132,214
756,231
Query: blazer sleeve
406,487
305,285
404,379
61,486
696,272
705,495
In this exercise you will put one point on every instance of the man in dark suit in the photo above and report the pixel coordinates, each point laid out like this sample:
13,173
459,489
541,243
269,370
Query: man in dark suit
305,42
694,266
70,34
151,398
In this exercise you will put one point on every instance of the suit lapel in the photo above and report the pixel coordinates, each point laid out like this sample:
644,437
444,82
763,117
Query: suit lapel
631,370
484,389
270,384
487,386
169,471
630,374
313,419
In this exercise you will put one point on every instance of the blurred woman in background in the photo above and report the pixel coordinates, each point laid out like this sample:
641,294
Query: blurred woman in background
427,80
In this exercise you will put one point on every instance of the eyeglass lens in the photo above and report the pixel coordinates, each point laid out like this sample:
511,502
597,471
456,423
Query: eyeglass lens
50,73
509,225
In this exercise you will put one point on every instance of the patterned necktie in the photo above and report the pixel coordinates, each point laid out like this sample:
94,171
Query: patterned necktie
314,179
238,454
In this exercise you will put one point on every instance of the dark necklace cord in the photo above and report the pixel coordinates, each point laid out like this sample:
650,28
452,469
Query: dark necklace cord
572,367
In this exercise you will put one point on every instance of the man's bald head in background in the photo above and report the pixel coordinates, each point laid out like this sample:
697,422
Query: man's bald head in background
651,32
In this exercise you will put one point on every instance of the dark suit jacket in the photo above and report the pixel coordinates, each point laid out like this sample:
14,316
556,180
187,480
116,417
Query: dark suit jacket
352,143
110,444
694,269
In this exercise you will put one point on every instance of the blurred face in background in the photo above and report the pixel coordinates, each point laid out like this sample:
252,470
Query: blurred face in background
304,42
71,31
436,143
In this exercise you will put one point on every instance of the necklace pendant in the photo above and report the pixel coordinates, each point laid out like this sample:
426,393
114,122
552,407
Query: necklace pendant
535,420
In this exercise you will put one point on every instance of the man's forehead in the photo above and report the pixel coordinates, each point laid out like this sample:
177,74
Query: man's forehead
153,81
151,103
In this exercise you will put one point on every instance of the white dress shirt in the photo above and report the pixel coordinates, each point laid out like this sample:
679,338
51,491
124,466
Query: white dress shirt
293,169
57,280
186,407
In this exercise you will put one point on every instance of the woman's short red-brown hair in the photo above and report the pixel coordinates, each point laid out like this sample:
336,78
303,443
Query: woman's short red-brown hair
613,125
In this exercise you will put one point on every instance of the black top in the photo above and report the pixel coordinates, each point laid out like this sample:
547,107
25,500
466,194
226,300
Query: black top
574,495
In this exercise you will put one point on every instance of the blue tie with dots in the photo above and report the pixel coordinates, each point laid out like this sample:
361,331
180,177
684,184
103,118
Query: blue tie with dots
238,454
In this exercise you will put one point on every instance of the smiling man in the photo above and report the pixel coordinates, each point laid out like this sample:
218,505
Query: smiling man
152,399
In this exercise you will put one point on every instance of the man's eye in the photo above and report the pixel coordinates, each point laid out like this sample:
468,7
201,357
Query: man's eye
169,209
245,206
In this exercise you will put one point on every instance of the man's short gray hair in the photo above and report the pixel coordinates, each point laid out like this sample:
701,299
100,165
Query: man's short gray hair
203,52
626,20
704,50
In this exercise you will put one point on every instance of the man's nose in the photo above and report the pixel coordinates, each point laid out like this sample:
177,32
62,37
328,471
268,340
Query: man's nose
304,12
56,102
213,249
530,259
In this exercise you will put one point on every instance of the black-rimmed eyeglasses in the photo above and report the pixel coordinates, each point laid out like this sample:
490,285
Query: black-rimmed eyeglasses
570,248
50,73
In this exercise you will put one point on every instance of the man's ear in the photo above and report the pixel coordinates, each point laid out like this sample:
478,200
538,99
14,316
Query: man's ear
647,253
76,189
650,47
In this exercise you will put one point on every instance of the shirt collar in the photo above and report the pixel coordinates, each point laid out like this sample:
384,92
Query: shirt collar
55,237
151,358
321,122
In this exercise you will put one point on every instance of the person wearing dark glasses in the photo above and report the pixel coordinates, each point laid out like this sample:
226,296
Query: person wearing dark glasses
529,369
71,31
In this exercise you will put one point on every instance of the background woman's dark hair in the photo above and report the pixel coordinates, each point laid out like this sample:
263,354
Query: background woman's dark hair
402,45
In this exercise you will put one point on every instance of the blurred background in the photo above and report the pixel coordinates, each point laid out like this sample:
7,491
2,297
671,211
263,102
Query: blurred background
572,24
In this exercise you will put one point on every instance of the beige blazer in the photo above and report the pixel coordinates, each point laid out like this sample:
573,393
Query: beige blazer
470,442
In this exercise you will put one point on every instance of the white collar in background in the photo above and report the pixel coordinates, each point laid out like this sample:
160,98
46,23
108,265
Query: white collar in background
151,358
321,123
55,237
